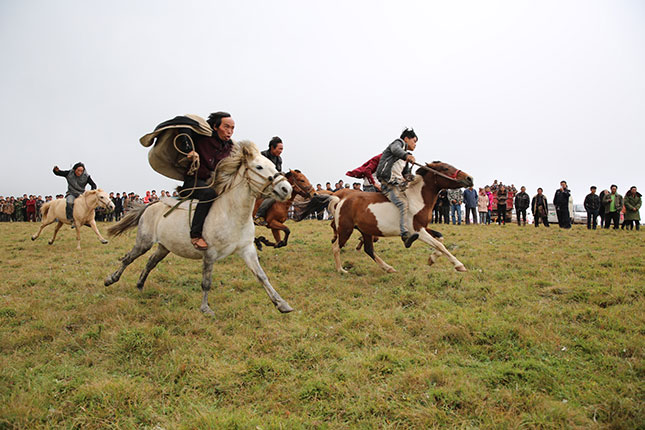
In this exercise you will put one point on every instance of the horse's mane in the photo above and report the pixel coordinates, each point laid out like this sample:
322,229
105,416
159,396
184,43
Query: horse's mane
227,169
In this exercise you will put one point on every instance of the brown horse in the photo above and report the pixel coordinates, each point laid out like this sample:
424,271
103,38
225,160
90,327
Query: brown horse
277,214
375,216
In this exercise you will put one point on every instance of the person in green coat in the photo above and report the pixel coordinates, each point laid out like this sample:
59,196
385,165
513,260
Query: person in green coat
632,202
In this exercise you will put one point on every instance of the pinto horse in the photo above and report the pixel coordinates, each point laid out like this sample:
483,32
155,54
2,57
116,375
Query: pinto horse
375,216
278,212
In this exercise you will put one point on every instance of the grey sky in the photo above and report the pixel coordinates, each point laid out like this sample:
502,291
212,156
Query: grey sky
522,91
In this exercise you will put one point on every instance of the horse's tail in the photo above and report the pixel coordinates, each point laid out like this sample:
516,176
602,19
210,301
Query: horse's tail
130,220
317,203
331,207
45,208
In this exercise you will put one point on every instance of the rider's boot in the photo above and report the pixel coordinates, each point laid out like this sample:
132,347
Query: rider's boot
408,238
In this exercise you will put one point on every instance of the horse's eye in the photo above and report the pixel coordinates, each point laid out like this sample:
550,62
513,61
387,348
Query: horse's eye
259,167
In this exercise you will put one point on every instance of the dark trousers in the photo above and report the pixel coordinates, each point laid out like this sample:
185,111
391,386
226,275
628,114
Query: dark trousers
205,197
538,217
468,212
521,213
592,219
445,213
501,214
564,219
612,216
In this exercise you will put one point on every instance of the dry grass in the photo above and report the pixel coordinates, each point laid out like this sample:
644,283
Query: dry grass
544,331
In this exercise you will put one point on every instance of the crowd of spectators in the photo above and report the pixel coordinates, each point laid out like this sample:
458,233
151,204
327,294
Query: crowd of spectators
495,203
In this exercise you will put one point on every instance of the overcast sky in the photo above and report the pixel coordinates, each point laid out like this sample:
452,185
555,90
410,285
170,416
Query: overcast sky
521,91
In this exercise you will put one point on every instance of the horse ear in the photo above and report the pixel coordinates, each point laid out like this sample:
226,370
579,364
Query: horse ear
289,174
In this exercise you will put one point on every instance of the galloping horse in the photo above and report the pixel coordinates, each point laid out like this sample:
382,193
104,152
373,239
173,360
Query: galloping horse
375,216
84,206
278,212
239,179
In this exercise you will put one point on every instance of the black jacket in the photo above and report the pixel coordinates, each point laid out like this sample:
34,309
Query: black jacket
592,202
522,201
561,199
275,159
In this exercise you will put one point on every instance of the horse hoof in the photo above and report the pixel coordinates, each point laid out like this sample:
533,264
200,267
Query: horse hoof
461,268
391,270
104,242
342,271
49,242
108,281
206,310
284,307
33,238
280,244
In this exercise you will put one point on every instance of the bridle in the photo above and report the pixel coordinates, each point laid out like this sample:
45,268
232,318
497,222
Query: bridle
303,192
265,181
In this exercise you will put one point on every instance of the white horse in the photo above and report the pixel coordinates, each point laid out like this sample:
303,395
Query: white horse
228,227
84,206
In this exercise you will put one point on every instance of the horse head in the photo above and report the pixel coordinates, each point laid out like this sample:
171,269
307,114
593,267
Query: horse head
444,175
300,184
99,198
262,176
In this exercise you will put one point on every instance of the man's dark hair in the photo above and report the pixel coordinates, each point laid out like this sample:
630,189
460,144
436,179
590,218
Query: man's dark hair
274,142
540,189
408,132
563,181
593,187
215,119
614,185
77,165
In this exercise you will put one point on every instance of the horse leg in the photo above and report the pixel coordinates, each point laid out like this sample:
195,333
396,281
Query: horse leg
276,228
58,226
140,247
368,247
250,257
42,226
78,234
159,254
427,238
435,253
207,278
96,230
342,234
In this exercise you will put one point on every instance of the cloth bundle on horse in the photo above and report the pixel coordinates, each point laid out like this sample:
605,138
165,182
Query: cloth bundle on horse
189,148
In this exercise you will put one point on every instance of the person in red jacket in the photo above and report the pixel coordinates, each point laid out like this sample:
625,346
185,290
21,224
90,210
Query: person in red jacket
31,208
366,172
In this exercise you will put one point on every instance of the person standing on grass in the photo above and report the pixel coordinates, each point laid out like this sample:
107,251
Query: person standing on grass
601,211
489,194
470,200
522,203
455,196
482,206
561,202
502,196
444,207
592,206
632,206
540,208
613,203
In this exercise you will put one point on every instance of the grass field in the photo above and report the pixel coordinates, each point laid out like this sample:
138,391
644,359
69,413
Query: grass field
546,330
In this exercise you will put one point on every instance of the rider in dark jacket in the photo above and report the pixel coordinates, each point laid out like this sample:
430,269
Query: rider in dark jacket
77,180
273,153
